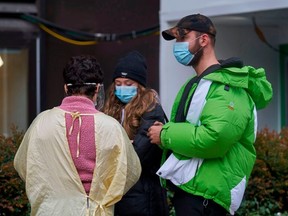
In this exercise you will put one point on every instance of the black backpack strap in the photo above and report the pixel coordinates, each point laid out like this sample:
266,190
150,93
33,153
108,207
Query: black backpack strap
166,118
181,115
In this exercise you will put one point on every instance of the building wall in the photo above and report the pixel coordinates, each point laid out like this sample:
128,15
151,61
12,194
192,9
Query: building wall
172,10
233,39
244,43
97,17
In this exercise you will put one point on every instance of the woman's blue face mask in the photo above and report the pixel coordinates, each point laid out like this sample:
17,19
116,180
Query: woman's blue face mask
125,93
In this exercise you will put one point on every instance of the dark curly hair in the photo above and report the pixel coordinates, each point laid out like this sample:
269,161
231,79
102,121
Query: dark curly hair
79,71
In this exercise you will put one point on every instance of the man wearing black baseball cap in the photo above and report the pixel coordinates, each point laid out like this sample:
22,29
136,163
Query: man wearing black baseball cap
213,124
196,22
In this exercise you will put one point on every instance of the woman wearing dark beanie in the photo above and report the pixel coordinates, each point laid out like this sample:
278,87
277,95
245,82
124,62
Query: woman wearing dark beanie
137,107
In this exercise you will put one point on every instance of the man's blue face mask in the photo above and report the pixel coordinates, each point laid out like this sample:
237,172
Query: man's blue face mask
125,93
182,53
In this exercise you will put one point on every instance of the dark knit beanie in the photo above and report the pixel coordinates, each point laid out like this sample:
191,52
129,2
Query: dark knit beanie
132,66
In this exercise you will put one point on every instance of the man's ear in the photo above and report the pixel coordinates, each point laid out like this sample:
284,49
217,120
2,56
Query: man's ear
204,39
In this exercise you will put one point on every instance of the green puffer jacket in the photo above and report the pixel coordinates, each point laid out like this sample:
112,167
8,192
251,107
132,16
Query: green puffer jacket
213,152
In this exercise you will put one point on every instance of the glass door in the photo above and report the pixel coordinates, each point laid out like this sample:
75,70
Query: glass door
19,77
13,89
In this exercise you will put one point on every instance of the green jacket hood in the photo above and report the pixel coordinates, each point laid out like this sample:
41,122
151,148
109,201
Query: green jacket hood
233,73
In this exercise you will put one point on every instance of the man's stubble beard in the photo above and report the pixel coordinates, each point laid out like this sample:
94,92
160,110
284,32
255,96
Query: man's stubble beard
196,60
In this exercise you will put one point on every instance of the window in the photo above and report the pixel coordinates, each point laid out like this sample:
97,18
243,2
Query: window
19,90
13,89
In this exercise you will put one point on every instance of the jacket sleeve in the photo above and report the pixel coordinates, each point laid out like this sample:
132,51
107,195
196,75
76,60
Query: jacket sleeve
144,148
223,121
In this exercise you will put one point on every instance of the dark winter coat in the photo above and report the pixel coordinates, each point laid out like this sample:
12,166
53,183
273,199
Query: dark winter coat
146,197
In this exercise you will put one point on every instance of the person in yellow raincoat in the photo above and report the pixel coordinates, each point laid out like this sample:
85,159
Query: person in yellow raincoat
74,159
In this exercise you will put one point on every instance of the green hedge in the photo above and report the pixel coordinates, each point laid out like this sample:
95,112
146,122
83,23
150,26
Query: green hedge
266,194
12,188
267,190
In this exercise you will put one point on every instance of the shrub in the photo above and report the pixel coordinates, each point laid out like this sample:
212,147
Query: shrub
266,193
12,188
267,190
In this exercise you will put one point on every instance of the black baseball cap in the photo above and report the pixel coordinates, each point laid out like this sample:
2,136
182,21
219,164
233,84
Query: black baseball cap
195,22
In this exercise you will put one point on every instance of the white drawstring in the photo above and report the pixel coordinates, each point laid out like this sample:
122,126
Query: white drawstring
76,115
122,116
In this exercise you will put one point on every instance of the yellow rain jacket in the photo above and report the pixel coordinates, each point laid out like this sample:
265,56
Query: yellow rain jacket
53,185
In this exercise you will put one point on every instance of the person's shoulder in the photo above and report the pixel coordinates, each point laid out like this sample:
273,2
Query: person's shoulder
155,113
234,62
102,115
43,114
105,119
107,125
158,107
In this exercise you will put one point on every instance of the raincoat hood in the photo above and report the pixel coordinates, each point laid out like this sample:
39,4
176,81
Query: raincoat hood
233,73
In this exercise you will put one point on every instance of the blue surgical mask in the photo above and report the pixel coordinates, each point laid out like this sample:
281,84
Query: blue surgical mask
182,53
125,93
